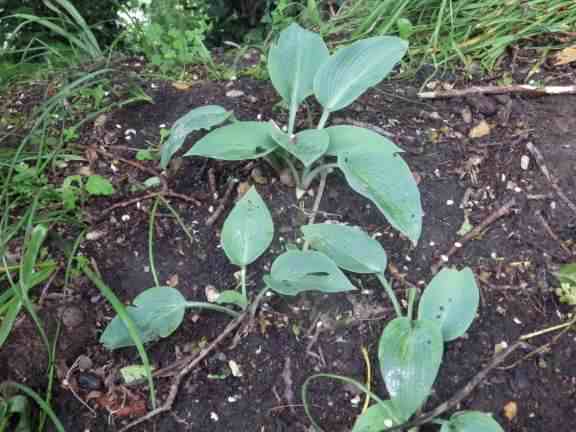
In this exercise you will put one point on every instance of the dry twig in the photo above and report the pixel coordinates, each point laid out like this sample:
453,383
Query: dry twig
188,363
494,90
546,172
223,202
477,230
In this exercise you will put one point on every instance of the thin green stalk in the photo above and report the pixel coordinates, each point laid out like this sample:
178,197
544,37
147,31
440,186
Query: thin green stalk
210,306
151,242
347,380
178,219
411,300
323,119
316,205
243,283
41,403
391,294
308,177
128,322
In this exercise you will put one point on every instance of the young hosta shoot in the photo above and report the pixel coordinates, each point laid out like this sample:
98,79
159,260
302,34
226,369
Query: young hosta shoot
238,141
204,117
410,350
247,233
451,299
471,421
157,313
292,64
296,271
300,65
346,75
353,250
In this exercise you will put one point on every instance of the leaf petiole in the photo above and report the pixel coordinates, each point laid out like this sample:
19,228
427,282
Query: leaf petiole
209,306
391,294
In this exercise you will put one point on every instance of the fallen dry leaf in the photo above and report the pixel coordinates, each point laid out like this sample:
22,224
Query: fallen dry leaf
567,55
510,410
181,85
480,130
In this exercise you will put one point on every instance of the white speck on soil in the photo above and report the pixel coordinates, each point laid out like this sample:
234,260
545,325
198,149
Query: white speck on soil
450,202
214,416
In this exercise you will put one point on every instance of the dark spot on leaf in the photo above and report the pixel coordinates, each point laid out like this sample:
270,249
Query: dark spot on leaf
318,274
441,308
438,316
449,299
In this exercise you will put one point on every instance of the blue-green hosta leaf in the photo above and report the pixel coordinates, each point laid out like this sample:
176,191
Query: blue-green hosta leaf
451,298
385,179
307,146
248,230
410,353
199,118
345,137
293,62
355,68
350,247
232,297
157,313
471,421
377,418
296,271
238,141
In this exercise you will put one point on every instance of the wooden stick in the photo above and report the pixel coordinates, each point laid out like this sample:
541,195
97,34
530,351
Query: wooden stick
492,217
493,90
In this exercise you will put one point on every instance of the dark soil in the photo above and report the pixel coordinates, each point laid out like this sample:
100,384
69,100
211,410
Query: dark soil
461,179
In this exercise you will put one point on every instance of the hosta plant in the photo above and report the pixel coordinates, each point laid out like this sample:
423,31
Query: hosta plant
300,65
410,349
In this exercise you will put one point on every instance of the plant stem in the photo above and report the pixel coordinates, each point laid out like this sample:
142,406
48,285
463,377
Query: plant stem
243,283
209,306
309,176
292,168
292,119
411,299
151,242
316,205
323,119
391,294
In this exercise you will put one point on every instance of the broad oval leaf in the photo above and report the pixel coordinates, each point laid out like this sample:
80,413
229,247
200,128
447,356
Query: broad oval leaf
238,141
98,185
355,68
232,297
199,118
248,230
471,421
293,62
296,271
157,313
351,248
385,179
410,353
451,299
377,418
345,137
307,146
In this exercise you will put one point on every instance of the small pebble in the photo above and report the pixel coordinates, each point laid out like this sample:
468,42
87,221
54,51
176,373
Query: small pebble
524,162
84,363
234,93
89,381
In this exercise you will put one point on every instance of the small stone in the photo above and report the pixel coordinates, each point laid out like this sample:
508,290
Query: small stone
84,362
234,93
286,178
89,381
258,176
72,317
524,162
